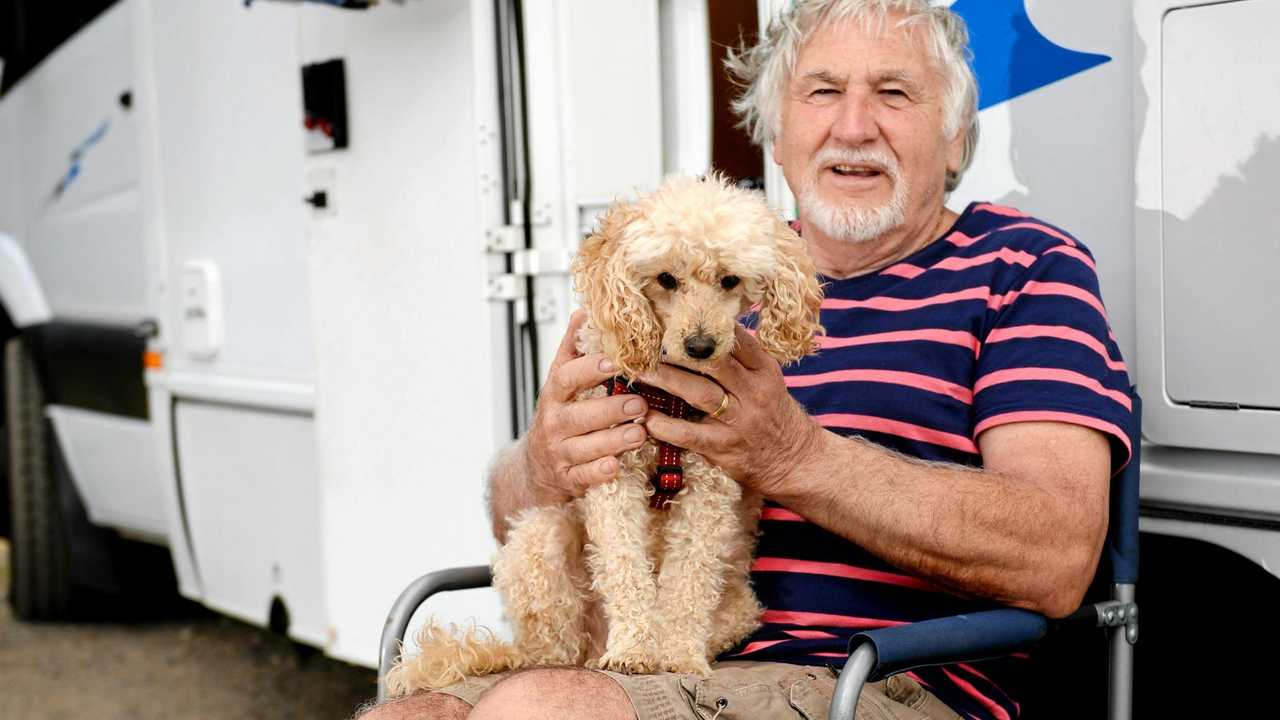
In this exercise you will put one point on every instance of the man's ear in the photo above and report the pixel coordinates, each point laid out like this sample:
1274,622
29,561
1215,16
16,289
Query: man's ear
616,305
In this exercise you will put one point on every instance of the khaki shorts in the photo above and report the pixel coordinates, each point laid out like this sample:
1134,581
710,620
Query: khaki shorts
740,690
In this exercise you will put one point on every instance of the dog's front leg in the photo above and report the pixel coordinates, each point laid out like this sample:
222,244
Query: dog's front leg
536,573
617,519
739,612
691,583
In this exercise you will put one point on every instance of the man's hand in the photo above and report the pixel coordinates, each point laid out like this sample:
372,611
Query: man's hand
573,445
760,433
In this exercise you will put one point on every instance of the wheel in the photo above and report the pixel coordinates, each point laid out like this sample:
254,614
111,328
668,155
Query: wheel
40,577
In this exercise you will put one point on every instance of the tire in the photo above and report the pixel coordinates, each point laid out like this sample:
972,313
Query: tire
40,577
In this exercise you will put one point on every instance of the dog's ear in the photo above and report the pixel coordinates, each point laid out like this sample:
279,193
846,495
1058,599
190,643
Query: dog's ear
792,300
628,328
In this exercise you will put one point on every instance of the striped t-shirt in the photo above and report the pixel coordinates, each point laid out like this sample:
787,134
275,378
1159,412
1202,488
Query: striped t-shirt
998,321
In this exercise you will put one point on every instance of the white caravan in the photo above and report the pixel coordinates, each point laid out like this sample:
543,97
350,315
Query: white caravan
328,380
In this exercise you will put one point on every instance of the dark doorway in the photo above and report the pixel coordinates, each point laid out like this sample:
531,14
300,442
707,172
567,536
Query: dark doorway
731,23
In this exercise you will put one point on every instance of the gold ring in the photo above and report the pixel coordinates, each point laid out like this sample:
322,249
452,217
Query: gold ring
724,404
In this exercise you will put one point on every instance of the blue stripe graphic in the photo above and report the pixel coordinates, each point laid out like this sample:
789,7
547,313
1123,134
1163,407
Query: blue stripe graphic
1011,57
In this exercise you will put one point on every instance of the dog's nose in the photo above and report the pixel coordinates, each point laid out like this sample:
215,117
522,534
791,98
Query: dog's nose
699,346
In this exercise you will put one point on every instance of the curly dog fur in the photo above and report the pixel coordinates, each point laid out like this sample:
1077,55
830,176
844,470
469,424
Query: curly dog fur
671,587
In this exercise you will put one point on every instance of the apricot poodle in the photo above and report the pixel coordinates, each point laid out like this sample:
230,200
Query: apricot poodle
659,576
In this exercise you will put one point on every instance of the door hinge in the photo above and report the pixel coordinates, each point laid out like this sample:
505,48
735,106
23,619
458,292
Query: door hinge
525,262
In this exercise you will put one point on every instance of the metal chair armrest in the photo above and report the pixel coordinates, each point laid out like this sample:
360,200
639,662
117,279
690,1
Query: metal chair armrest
461,578
877,654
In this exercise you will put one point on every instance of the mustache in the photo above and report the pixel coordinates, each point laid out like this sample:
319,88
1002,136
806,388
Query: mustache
851,156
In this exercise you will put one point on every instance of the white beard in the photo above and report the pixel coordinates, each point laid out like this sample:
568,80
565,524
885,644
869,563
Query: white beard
851,223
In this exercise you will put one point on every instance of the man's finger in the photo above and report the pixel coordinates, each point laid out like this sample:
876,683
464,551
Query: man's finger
585,449
584,477
579,373
568,349
699,437
748,350
700,392
588,416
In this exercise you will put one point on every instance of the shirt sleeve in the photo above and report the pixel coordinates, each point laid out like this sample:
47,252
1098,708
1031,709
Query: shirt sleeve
1048,353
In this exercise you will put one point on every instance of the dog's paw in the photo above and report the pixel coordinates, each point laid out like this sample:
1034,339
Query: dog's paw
688,665
628,662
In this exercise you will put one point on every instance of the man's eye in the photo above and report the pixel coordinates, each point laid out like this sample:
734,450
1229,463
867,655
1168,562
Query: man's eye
668,281
894,91
824,91
729,282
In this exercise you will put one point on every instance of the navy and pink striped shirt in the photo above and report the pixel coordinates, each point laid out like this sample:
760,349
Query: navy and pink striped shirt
999,321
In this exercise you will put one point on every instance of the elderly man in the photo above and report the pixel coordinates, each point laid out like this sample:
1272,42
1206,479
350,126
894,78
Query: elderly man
949,449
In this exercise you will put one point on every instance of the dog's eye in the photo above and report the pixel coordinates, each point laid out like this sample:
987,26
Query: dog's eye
668,281
729,282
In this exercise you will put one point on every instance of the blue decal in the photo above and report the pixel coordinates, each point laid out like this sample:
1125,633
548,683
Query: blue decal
1010,56
73,172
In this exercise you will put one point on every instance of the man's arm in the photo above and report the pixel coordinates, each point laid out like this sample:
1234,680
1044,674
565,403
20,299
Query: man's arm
1025,530
571,445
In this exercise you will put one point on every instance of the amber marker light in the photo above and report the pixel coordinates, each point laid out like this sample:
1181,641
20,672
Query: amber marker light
153,360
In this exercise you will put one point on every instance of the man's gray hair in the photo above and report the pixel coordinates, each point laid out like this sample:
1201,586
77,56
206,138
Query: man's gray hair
764,71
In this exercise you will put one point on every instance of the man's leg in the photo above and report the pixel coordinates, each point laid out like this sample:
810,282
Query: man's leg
422,706
555,694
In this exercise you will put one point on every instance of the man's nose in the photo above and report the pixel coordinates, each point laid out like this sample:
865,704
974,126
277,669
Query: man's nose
699,346
856,124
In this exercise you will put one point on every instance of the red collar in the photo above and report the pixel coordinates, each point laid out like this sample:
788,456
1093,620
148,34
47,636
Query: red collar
668,477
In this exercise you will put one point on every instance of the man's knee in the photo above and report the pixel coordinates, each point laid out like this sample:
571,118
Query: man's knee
555,694
423,706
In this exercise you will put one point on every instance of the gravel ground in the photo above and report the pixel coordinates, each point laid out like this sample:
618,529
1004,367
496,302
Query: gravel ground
191,664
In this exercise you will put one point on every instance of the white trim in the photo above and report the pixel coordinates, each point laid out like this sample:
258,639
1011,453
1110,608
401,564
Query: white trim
19,289
265,394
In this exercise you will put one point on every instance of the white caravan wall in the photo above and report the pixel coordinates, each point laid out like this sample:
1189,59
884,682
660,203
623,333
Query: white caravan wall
404,337
85,241
229,108
224,94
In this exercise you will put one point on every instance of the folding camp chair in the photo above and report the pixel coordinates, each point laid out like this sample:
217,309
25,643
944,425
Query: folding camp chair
877,654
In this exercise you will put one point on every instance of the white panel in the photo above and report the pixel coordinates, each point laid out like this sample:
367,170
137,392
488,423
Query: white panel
249,481
229,108
686,87
614,118
405,354
1166,421
1221,171
79,175
112,461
